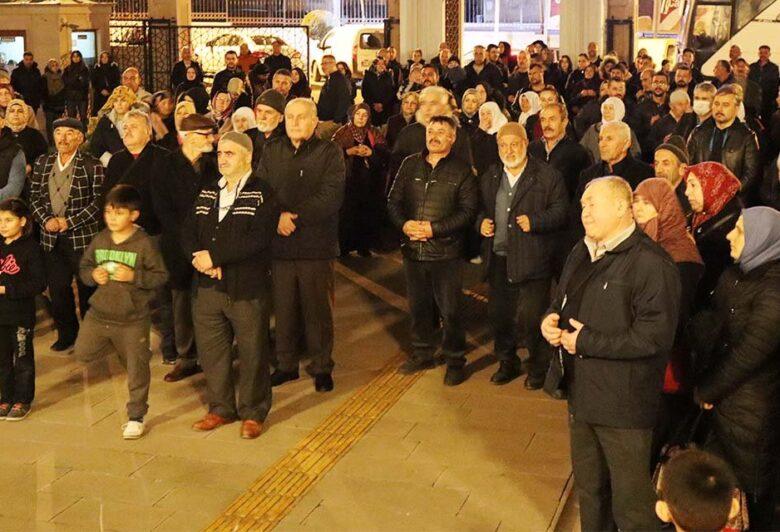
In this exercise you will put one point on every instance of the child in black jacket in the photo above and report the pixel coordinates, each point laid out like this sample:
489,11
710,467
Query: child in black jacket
22,277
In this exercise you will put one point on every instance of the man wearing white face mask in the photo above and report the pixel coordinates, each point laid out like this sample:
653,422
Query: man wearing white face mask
703,95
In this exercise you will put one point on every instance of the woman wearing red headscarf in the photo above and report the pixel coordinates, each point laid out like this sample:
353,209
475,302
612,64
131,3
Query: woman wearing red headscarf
365,154
712,191
658,213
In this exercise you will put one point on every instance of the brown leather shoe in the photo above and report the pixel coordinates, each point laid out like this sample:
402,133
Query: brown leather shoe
180,372
211,422
251,429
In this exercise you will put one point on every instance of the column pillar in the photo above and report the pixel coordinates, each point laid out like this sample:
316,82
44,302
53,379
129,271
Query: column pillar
581,23
453,25
422,26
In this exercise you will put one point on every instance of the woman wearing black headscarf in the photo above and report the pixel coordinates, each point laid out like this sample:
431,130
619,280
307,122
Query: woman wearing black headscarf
365,152
105,78
193,87
300,87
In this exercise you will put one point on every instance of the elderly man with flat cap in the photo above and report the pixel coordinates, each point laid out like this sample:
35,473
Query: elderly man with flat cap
269,116
65,192
192,166
228,236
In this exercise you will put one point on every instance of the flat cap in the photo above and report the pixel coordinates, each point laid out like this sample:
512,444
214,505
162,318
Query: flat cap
194,122
72,123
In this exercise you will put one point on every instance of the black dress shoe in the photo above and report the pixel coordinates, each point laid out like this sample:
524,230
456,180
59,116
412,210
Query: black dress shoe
279,377
62,345
507,372
534,382
455,375
323,382
413,365
180,372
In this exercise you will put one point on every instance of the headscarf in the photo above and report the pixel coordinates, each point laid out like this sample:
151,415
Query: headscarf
618,107
244,112
468,92
220,117
533,99
668,228
235,86
25,108
54,83
190,108
718,185
741,112
762,237
350,135
119,93
498,117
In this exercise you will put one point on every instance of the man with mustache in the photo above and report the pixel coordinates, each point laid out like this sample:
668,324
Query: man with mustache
727,140
433,200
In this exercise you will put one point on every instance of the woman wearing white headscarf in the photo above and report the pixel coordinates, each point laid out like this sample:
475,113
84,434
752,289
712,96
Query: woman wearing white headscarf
612,110
483,139
243,119
529,111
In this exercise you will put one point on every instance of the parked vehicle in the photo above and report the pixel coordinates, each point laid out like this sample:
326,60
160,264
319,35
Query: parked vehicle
212,54
355,44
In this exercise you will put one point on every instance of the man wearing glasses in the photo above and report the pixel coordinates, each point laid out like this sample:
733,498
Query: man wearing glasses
192,165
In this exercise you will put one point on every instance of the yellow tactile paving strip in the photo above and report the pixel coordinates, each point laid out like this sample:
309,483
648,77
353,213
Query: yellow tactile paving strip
274,494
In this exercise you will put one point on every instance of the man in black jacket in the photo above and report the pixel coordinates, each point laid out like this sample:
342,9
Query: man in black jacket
307,176
649,111
269,116
231,70
228,235
335,96
379,92
766,74
727,140
277,60
671,160
480,69
26,80
173,194
433,199
524,203
613,320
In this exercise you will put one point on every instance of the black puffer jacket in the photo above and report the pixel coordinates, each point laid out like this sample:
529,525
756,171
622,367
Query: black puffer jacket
714,248
445,195
739,154
743,379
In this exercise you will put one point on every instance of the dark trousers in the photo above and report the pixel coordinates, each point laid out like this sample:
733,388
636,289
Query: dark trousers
174,321
219,321
62,265
303,303
431,285
17,365
515,311
77,109
131,342
612,477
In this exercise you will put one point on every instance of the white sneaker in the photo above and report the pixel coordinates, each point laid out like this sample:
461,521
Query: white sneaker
476,260
132,430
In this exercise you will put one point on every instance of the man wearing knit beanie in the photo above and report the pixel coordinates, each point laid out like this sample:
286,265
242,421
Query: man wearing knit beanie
269,115
671,160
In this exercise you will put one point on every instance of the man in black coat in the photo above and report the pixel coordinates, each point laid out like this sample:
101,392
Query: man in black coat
679,120
766,74
524,203
26,80
649,111
671,160
193,166
307,176
613,320
269,116
480,69
727,140
335,96
433,200
277,60
231,70
379,92
179,70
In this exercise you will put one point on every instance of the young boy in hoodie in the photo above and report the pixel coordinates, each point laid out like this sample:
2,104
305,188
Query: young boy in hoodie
126,266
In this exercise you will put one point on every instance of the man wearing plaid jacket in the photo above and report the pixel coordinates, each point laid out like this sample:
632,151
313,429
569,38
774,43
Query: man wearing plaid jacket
65,190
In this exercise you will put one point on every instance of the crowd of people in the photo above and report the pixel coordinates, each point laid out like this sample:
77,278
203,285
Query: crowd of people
624,216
